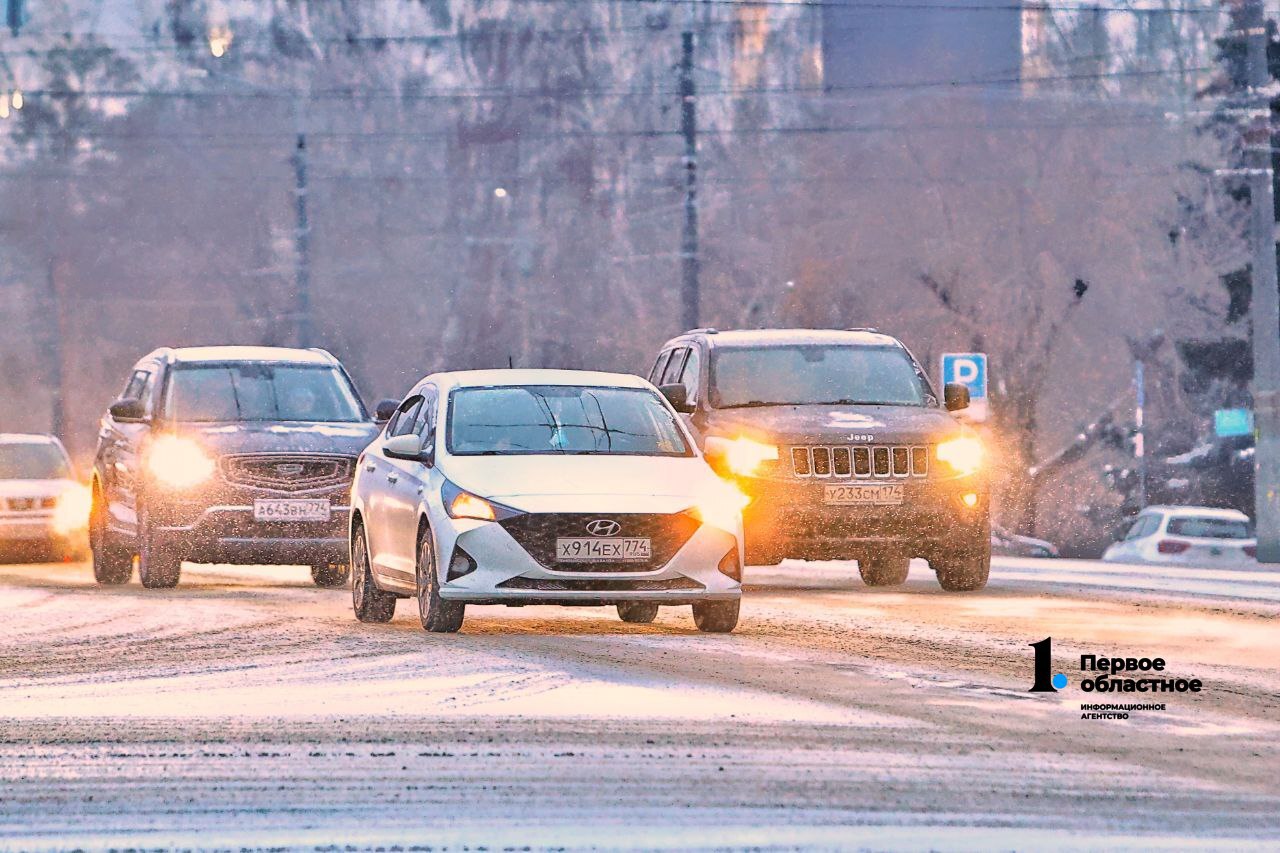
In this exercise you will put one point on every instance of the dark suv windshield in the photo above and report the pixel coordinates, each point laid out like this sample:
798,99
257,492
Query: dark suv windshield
33,462
260,392
521,420
816,374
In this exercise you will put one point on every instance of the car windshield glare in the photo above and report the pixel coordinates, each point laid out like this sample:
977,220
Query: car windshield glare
260,392
33,462
1210,528
524,420
815,375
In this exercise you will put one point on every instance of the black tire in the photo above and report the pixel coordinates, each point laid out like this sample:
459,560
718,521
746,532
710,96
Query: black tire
437,615
637,612
330,575
966,570
716,617
369,603
884,569
159,563
112,561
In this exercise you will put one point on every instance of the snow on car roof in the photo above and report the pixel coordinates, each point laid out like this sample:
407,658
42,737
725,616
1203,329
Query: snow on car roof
1203,511
793,337
250,353
26,438
528,376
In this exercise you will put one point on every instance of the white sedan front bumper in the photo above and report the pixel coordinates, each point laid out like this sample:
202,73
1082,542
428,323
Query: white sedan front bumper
506,573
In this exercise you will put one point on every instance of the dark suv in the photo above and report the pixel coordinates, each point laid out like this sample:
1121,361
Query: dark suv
227,455
843,446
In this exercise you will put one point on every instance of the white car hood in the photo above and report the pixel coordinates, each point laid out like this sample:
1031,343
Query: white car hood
587,483
34,488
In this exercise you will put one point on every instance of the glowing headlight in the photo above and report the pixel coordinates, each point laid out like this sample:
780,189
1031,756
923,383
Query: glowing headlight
179,463
742,455
467,505
963,454
72,510
723,508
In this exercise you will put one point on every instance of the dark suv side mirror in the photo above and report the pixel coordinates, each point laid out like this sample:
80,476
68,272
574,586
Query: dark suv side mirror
677,396
955,396
126,409
384,410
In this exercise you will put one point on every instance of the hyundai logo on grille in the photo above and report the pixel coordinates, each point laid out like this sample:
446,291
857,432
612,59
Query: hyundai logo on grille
603,527
289,469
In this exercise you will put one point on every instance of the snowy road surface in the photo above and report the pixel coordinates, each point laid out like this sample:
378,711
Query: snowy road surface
249,709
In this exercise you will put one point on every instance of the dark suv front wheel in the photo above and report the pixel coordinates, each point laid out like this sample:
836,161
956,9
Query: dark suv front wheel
330,575
159,562
968,566
112,561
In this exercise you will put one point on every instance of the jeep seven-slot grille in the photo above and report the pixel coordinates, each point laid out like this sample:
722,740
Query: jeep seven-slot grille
860,461
537,533
287,472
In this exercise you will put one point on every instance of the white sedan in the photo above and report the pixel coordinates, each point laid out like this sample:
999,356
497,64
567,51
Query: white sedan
1187,535
42,505
542,487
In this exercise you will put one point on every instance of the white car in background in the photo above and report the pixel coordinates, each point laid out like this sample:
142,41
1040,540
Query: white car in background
44,509
542,487
1187,535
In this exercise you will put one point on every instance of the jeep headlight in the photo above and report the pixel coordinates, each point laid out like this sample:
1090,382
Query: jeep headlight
178,463
722,508
741,455
963,454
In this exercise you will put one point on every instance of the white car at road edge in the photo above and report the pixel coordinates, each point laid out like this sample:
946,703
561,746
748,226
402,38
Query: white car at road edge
524,487
42,504
1187,536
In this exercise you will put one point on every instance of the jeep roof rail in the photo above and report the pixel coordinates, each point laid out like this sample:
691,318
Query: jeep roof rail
863,329
706,331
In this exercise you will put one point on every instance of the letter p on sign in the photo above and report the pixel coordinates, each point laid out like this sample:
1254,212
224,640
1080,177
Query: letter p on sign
970,370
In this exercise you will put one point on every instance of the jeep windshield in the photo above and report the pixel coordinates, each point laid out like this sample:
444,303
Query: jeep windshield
814,375
215,393
32,461
522,420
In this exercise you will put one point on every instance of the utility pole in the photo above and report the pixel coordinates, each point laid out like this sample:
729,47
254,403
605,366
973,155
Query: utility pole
689,296
54,351
302,243
1266,296
1139,431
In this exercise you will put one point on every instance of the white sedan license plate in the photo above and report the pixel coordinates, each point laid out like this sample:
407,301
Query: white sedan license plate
291,510
593,550
856,494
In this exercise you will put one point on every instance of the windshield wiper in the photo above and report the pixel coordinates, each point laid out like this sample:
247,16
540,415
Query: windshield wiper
754,404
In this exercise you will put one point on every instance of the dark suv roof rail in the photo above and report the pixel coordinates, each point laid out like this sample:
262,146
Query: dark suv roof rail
863,329
706,331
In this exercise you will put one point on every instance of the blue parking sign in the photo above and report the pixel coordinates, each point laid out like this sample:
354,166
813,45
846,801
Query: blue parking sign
970,370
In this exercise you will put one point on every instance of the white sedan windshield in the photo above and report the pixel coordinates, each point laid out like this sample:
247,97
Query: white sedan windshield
562,419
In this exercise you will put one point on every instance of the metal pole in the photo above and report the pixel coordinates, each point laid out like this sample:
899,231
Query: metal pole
1139,433
302,241
1266,298
689,296
57,402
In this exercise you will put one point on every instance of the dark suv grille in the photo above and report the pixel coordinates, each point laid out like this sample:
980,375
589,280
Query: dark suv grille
287,472
860,461
537,534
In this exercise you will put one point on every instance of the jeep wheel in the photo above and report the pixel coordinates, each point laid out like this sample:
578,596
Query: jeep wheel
964,571
159,563
637,612
716,617
369,603
437,615
330,575
883,569
112,562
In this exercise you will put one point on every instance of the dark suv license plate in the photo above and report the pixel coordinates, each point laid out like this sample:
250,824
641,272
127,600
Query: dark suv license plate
862,494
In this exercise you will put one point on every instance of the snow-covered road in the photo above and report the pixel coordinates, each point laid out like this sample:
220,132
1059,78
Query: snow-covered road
248,709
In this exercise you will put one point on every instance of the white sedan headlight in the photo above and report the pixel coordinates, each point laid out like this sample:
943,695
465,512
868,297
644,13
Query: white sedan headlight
179,463
963,454
71,513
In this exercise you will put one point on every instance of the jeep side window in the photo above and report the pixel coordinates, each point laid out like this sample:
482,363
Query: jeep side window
655,375
671,375
133,388
689,376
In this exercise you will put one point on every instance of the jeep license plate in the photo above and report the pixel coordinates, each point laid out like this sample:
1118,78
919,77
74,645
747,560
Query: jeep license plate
860,494
603,550
316,509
